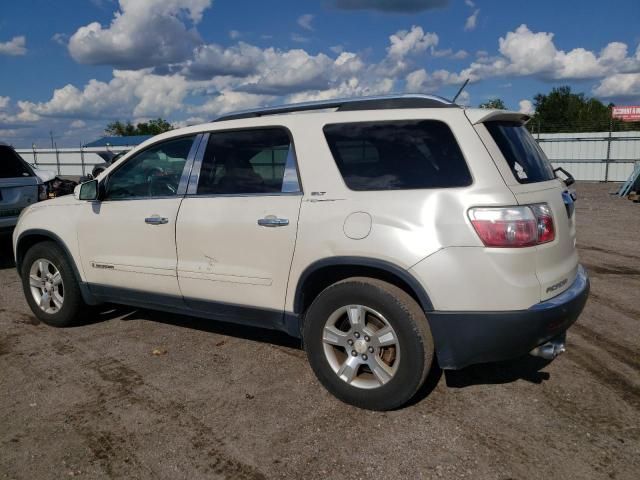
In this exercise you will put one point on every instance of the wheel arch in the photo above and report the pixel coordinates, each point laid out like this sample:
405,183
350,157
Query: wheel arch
322,273
31,237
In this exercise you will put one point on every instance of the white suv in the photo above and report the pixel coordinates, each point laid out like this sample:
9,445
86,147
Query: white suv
382,231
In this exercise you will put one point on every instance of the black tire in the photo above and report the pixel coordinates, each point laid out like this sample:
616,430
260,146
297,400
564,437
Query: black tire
73,305
406,318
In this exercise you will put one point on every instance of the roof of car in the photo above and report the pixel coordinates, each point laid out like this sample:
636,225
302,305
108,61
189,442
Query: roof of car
381,102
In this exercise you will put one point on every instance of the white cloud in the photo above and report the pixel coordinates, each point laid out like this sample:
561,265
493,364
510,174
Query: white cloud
526,107
296,37
229,101
234,34
144,33
460,55
621,85
419,81
305,21
469,3
14,47
464,98
410,42
138,93
210,60
270,71
527,53
60,38
348,88
207,80
472,20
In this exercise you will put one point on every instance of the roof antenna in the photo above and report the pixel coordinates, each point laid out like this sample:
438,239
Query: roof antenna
460,91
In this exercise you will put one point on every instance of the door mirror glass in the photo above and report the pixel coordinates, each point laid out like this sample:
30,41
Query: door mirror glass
87,191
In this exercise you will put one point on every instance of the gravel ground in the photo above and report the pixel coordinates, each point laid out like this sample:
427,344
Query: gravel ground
219,401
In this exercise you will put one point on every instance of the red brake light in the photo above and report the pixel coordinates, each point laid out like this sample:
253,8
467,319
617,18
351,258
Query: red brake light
546,230
513,227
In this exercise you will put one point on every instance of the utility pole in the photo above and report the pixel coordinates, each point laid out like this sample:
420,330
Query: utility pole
51,135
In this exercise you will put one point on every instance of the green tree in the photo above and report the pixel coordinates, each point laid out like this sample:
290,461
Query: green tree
124,129
562,110
494,103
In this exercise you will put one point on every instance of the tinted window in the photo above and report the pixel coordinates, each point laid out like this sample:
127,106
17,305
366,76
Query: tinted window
11,165
248,161
397,155
154,172
526,159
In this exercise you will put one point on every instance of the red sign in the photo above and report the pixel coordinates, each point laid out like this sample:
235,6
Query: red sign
626,114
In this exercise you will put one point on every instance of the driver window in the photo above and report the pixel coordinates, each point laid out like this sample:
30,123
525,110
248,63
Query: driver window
154,172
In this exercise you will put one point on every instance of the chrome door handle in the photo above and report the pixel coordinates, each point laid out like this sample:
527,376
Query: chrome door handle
156,220
273,221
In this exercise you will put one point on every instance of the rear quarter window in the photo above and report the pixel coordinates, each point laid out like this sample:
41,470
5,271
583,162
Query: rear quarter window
397,155
11,165
525,158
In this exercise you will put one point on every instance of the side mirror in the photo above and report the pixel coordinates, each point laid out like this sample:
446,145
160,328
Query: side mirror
86,191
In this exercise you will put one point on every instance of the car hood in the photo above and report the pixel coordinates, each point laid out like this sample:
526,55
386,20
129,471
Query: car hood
44,175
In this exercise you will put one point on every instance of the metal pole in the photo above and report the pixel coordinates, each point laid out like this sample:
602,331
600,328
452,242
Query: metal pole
606,167
82,158
57,158
35,155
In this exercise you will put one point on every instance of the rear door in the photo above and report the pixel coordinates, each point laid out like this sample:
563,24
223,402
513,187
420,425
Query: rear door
18,186
528,173
237,225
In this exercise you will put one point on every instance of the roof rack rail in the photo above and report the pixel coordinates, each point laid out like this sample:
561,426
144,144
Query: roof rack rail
347,105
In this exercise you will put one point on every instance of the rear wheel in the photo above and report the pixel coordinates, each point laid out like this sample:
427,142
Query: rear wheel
368,343
50,286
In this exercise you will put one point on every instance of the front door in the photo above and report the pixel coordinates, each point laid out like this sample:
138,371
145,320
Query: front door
237,226
127,240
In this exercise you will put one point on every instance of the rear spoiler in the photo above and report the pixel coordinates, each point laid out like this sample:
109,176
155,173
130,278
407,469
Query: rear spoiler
480,115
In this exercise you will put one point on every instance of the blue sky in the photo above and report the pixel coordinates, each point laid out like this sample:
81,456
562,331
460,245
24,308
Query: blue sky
73,66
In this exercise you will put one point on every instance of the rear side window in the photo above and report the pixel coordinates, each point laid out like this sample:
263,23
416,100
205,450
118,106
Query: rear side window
11,165
526,159
397,155
249,161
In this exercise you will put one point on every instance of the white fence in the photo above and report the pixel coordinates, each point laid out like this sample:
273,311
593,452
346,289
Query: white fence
67,161
596,156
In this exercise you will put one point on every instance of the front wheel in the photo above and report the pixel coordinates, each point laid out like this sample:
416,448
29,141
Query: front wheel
50,286
369,343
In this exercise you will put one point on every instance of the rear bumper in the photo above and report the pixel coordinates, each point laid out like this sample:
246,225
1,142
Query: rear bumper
465,338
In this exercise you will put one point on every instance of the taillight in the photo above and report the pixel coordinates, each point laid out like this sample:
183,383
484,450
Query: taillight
512,227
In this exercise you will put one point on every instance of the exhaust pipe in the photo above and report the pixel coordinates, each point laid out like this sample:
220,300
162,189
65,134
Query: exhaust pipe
551,349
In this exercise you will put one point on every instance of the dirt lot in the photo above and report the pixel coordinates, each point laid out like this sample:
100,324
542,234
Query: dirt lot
227,402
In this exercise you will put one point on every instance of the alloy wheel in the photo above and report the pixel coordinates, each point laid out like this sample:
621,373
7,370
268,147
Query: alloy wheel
361,346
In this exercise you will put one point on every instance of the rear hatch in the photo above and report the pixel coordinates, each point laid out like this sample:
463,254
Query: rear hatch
18,184
529,175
